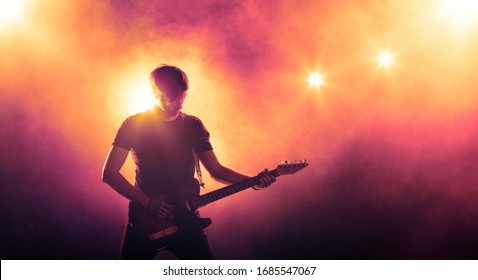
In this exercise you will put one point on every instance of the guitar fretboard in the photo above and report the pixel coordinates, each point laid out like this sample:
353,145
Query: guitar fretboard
229,190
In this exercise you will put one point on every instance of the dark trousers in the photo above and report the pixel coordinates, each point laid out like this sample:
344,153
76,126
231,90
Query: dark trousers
187,245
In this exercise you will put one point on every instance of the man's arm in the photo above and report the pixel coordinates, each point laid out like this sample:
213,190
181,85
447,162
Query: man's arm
111,175
225,175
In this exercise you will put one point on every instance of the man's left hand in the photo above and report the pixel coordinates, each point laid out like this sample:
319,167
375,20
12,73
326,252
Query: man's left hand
265,179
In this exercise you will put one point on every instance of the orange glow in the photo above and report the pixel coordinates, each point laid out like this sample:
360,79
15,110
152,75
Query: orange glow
316,79
385,59
11,11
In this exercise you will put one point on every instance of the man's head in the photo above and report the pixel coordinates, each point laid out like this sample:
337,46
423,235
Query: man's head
169,84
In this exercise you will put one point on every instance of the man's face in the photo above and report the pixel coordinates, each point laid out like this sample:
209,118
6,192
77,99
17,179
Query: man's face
172,107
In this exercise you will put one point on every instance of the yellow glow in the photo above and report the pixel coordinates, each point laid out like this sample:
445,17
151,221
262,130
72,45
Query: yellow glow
130,92
316,79
461,12
140,97
385,59
11,11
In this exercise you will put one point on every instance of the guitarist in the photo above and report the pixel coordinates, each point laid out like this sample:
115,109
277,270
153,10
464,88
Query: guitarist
163,142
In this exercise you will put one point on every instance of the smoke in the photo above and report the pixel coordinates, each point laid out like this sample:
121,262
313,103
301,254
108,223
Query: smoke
387,192
392,152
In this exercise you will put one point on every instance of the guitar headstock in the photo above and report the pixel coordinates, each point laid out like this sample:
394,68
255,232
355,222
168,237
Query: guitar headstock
289,167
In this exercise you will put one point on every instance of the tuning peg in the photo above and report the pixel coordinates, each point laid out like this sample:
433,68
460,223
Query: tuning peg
295,162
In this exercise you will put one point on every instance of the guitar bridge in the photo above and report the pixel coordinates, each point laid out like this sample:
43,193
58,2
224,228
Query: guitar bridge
163,233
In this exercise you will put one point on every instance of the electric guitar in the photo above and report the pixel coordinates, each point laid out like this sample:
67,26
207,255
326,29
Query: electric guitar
156,230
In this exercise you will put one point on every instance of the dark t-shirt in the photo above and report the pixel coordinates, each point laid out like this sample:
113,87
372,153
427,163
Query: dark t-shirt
162,150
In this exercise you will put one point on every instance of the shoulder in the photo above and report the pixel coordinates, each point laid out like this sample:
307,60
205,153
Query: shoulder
190,119
195,124
140,118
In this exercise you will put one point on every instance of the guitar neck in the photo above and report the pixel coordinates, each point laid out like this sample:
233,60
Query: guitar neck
229,190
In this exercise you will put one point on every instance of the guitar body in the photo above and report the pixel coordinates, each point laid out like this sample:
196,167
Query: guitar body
158,231
185,217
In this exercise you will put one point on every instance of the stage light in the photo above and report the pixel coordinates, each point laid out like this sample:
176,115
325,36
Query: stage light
11,11
461,12
385,59
141,97
316,79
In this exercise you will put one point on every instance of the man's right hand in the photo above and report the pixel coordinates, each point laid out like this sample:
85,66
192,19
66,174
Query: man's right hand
160,208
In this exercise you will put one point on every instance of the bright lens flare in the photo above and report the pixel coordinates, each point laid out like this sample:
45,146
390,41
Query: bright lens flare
11,11
316,79
141,98
385,59
461,12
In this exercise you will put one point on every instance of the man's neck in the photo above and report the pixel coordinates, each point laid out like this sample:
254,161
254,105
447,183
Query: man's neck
170,118
165,117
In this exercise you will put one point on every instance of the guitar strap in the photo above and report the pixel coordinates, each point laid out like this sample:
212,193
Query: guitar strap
198,168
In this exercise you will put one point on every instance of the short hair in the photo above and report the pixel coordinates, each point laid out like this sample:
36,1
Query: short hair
165,74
